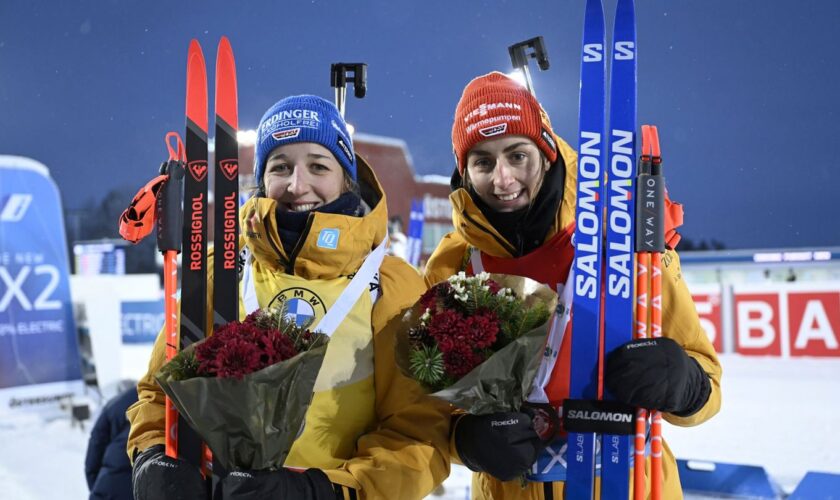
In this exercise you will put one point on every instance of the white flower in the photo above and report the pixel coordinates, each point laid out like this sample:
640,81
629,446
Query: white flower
425,317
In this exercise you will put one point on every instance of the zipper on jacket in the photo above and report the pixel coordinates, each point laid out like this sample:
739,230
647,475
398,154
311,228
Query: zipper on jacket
281,260
290,268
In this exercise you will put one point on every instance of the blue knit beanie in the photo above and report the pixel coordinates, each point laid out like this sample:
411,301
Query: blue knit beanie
304,118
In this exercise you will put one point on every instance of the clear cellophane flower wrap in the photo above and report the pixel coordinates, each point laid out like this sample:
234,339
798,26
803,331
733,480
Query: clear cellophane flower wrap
477,342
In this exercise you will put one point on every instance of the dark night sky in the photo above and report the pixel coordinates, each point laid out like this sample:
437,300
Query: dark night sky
744,91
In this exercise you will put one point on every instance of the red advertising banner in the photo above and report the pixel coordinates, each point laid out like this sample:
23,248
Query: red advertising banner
707,299
772,319
757,329
788,320
814,323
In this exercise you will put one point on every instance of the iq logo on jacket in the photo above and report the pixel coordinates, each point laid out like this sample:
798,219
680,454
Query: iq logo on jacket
303,306
328,238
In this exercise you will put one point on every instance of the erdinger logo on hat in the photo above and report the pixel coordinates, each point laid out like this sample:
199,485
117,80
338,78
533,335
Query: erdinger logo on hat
287,123
304,118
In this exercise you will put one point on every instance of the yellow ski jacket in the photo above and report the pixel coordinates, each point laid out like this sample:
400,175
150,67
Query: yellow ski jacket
396,442
679,320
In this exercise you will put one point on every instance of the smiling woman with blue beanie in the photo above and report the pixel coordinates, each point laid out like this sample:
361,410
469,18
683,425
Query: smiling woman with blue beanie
315,237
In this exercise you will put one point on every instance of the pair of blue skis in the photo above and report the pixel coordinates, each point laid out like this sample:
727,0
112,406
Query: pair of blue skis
603,267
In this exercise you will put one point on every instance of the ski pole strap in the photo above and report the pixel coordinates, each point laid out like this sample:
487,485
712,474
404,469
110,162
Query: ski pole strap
168,209
559,325
138,220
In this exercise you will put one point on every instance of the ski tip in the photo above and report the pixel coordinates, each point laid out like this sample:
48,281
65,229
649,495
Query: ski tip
196,86
226,94
195,48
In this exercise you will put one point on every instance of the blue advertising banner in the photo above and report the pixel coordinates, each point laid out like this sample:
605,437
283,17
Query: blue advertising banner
141,321
38,345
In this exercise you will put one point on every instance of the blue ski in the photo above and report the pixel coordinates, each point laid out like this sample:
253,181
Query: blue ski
620,239
586,308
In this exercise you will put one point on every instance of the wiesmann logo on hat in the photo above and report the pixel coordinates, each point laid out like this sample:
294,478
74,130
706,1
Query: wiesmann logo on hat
483,109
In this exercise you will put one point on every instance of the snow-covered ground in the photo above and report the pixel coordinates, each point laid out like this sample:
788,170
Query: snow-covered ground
782,414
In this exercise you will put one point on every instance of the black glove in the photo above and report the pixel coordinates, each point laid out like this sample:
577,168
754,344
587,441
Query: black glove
281,484
504,445
158,477
657,374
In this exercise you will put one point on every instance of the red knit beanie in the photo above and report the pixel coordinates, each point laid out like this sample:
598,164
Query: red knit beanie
496,105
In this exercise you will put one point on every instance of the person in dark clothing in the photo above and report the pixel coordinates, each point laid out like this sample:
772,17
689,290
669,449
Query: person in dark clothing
107,468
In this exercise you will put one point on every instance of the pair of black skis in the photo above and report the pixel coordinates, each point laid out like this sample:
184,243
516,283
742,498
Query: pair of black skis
183,217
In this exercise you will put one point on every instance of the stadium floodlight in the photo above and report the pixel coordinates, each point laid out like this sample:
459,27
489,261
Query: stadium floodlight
246,137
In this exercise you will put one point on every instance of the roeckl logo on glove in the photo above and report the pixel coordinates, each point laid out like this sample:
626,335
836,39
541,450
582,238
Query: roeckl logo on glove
500,423
163,463
649,343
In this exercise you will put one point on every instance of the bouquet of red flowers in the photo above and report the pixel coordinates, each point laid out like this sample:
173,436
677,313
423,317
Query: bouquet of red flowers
476,341
246,388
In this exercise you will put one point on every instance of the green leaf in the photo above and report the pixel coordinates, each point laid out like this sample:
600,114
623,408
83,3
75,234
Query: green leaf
426,364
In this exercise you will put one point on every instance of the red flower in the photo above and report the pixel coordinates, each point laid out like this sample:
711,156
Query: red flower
205,353
239,348
461,360
428,300
284,347
494,287
481,329
445,323
237,359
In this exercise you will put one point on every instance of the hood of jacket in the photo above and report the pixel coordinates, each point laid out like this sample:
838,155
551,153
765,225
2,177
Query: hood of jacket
330,245
473,226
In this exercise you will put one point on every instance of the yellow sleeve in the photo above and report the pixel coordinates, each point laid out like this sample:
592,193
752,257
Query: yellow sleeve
147,414
407,455
681,323
446,260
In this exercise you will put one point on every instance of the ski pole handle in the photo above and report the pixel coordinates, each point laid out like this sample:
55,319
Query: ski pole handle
519,58
169,208
339,74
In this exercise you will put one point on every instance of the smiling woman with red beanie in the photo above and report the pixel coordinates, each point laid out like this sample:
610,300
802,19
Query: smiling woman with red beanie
513,198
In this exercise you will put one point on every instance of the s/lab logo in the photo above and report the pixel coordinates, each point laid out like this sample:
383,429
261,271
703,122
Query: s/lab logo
13,208
328,238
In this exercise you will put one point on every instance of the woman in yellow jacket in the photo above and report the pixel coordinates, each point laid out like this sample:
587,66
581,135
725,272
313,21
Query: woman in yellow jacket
513,199
316,226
